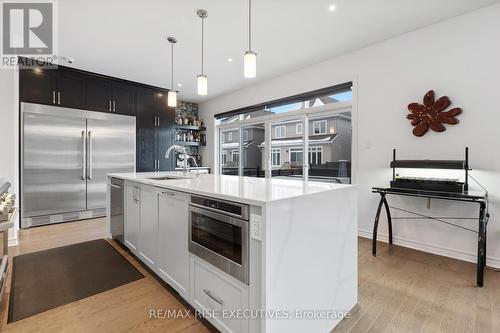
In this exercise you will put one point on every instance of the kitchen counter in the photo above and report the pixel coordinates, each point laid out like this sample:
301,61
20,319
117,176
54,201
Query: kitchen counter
297,247
249,190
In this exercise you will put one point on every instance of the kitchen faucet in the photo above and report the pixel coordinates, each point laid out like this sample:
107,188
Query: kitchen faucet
183,154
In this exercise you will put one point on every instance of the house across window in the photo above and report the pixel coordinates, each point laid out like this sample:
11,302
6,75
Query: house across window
276,157
223,158
279,132
298,128
296,155
315,155
236,155
319,127
325,115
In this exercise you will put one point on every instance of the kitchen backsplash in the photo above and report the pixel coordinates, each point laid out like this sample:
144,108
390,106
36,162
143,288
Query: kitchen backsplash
185,109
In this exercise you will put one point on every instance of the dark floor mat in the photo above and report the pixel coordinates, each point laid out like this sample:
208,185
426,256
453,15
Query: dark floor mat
48,279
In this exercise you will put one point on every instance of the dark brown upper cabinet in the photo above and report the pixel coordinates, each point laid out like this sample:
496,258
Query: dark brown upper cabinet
110,96
52,86
98,94
38,85
70,89
165,114
123,98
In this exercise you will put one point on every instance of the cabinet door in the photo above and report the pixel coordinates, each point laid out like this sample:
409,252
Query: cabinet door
148,241
132,216
145,123
165,114
164,138
71,89
173,255
97,94
38,85
123,99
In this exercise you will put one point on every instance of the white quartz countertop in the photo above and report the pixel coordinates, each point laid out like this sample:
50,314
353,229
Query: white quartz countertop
250,190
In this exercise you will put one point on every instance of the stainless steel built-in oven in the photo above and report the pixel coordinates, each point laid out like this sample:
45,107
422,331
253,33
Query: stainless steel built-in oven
218,233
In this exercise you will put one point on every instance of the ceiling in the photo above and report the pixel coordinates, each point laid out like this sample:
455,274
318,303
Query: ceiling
127,39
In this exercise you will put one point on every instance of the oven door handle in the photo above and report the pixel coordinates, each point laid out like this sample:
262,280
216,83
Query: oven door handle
217,216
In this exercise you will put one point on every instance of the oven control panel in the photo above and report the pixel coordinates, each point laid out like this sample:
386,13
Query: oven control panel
231,208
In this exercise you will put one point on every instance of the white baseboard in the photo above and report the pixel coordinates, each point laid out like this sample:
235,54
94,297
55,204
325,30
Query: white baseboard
425,247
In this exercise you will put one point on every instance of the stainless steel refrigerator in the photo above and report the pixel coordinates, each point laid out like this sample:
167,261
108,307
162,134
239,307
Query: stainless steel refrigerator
66,155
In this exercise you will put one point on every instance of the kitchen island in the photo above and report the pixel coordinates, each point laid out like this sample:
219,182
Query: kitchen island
250,254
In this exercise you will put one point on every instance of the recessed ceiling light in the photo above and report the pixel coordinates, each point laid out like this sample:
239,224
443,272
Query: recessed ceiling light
332,8
229,59
179,84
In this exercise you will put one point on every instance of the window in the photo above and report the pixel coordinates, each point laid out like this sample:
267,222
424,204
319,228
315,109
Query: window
298,128
319,127
279,132
296,155
276,157
236,156
315,155
275,147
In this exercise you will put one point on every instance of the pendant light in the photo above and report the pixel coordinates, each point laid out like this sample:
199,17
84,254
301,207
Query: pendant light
250,57
172,94
202,78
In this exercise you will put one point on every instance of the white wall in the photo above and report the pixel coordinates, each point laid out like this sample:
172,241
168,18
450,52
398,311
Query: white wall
8,134
459,58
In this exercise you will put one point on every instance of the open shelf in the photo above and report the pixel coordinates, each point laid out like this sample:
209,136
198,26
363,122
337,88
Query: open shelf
189,127
189,143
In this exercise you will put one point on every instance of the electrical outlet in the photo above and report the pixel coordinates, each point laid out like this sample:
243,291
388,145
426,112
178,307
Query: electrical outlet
255,226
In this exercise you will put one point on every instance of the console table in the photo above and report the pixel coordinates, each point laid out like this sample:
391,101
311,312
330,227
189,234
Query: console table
481,198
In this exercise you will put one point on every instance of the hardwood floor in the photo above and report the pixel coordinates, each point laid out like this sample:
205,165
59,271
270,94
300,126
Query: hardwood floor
401,290
404,290
123,309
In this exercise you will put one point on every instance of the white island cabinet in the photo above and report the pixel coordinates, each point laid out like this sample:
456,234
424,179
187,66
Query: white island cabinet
302,248
173,255
148,226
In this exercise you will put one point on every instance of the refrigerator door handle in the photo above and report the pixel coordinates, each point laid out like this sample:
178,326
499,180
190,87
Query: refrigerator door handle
90,155
84,154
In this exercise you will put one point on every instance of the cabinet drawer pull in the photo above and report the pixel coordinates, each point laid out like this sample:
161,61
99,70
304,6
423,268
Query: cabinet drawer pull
209,294
109,105
59,97
114,106
53,97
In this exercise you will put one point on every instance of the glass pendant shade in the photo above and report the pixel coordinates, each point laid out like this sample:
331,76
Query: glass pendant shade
250,64
202,85
172,99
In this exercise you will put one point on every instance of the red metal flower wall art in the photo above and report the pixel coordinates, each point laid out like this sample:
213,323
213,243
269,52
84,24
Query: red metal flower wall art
432,115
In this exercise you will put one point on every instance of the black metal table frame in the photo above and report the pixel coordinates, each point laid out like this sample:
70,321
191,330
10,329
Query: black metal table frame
482,227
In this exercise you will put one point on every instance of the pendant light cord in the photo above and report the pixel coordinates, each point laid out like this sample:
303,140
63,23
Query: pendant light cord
172,67
249,25
202,42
